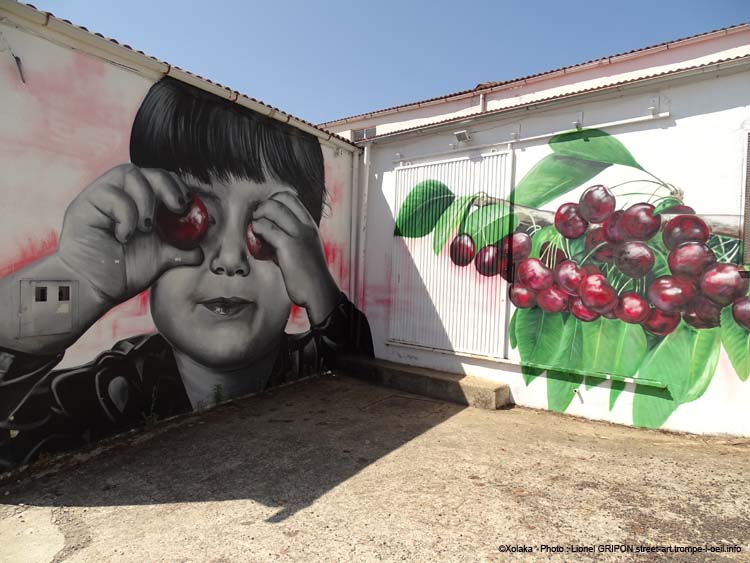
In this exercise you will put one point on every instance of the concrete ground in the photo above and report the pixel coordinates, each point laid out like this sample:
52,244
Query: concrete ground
335,469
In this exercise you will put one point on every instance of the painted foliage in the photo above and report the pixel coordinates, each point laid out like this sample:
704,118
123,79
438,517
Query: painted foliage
628,283
215,219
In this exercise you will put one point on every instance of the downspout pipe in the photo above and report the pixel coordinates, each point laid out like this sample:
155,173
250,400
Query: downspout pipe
362,232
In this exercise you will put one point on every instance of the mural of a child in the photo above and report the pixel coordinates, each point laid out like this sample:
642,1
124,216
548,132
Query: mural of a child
220,310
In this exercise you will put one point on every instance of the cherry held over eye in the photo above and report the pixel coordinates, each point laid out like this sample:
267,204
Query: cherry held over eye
257,246
183,231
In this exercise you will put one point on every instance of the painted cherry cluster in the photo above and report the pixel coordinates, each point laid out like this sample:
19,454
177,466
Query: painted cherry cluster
698,288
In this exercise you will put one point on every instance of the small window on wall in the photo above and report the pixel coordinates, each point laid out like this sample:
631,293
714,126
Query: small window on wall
63,293
40,293
362,134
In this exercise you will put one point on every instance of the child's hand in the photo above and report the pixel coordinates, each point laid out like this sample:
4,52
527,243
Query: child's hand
108,231
284,223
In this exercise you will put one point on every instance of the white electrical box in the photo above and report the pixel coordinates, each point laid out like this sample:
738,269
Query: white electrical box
47,307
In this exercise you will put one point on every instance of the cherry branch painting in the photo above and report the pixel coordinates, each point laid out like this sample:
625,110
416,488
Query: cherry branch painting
649,291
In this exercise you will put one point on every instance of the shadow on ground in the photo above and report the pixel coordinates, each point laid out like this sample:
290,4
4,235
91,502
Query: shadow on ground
284,449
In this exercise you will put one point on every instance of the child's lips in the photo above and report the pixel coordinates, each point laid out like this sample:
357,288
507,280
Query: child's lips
226,306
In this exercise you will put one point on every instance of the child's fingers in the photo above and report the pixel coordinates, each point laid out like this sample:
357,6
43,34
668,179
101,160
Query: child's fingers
270,232
295,206
138,188
171,257
115,208
167,189
279,214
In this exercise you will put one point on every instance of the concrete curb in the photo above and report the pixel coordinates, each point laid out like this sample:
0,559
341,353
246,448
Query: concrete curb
462,389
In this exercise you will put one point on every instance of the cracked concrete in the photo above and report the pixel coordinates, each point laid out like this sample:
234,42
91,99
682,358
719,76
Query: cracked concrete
335,469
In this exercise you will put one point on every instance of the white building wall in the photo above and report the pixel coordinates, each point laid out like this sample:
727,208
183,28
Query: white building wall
698,144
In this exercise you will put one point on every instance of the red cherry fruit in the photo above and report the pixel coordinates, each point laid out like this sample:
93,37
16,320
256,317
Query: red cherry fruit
552,300
691,317
706,310
257,246
487,261
595,237
690,259
516,246
670,294
741,312
462,250
569,222
678,210
632,308
183,231
685,228
533,274
660,322
581,312
591,269
522,297
597,294
596,204
506,268
639,222
634,259
568,276
612,232
722,284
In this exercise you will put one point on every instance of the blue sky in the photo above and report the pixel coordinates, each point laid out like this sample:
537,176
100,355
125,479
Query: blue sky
326,59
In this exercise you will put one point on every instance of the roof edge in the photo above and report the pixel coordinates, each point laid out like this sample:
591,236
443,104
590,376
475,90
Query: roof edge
488,87
80,38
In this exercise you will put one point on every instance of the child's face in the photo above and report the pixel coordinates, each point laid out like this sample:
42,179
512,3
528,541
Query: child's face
231,310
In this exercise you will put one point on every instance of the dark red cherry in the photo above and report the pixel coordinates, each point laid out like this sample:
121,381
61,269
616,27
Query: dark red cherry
552,300
516,246
671,294
702,311
634,259
568,276
691,317
722,284
632,308
741,312
257,246
506,268
487,261
569,222
596,204
595,238
660,322
522,297
183,231
612,231
685,228
463,250
591,269
533,274
639,222
597,294
581,312
690,259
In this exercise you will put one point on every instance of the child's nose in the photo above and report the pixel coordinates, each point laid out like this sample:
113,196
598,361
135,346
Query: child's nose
230,257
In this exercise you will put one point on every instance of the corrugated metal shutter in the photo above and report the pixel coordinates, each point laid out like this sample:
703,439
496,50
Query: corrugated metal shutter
437,304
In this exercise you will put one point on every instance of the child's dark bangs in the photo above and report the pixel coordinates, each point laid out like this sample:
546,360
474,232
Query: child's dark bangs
186,130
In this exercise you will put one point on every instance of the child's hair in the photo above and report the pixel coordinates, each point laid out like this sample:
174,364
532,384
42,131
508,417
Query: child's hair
183,129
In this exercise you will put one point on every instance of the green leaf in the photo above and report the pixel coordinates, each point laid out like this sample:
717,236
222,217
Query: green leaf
611,346
685,360
545,234
703,362
422,209
512,331
615,389
489,223
449,220
552,177
736,341
561,385
538,336
595,145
